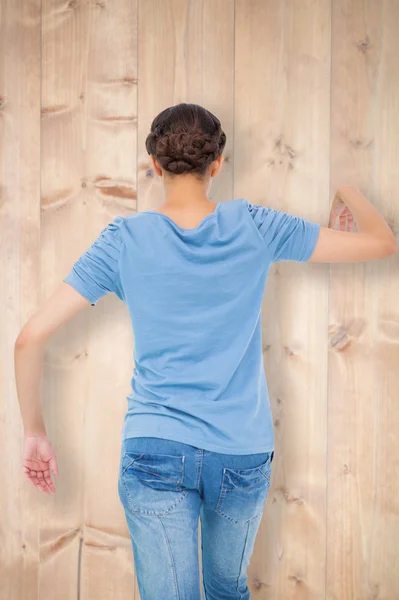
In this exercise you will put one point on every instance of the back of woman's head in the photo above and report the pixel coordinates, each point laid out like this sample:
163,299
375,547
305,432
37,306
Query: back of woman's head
186,138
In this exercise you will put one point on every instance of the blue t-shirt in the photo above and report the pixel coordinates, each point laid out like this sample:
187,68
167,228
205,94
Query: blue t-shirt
194,297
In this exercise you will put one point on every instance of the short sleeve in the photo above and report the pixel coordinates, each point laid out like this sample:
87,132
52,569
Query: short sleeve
287,237
96,272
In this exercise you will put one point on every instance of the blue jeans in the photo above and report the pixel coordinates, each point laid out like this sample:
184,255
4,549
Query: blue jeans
165,487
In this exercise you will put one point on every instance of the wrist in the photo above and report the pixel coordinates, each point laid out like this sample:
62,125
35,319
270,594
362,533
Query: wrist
347,188
37,434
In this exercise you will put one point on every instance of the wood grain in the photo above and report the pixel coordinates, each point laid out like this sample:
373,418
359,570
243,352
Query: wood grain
307,93
19,282
281,156
89,138
363,415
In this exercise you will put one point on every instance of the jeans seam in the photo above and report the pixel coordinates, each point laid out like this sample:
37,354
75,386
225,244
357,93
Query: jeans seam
267,477
202,560
242,560
136,511
130,464
176,481
172,561
198,463
221,490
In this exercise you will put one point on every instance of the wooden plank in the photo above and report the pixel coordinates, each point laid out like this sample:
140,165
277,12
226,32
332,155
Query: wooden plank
89,131
93,128
281,160
19,280
363,466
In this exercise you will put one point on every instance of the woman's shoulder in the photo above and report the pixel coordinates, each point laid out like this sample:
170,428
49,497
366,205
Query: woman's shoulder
137,220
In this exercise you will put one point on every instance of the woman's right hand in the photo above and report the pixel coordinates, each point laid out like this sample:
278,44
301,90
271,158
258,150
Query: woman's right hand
344,241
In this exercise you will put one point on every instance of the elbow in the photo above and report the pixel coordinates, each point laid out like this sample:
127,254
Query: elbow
22,340
27,337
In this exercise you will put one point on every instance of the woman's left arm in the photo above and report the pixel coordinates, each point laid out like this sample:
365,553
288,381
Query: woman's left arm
94,274
29,350
28,364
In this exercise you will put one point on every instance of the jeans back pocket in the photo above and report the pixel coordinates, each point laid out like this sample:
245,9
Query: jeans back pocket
151,483
243,492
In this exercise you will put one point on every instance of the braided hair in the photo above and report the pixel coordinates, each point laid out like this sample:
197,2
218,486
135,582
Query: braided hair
185,138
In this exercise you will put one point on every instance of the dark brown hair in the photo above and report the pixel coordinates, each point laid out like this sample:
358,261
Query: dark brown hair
185,138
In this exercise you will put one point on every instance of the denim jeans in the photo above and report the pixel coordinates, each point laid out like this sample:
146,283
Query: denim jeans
165,487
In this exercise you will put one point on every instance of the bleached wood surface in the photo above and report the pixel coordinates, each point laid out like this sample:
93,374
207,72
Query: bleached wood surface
282,160
307,94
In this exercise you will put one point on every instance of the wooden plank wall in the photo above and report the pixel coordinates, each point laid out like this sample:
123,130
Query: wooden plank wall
20,279
363,411
307,93
281,159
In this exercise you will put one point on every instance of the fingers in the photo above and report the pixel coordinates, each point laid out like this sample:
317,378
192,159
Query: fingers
54,466
41,480
49,482
37,482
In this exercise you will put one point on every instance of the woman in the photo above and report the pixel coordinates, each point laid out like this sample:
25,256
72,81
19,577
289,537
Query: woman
197,438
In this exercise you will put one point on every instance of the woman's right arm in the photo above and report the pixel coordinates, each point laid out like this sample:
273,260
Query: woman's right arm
373,240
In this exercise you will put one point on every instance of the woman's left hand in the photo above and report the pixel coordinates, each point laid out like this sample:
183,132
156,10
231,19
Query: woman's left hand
341,216
38,458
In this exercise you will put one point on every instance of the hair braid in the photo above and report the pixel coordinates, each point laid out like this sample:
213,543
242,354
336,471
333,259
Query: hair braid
185,138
